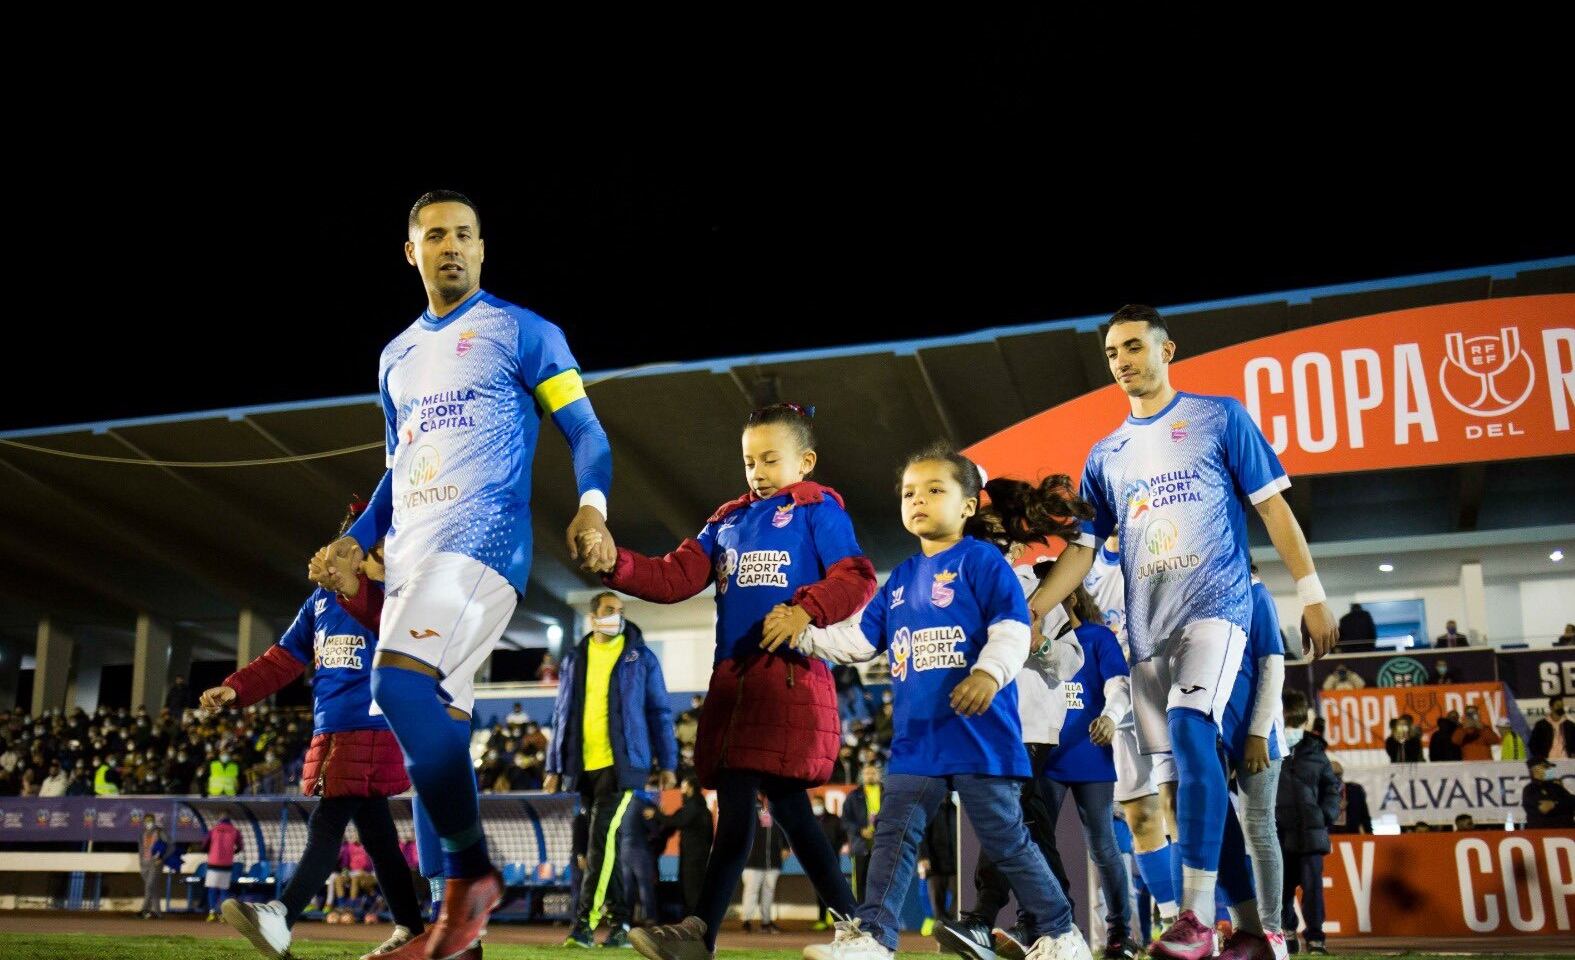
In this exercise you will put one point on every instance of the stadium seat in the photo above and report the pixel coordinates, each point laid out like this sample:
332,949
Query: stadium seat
515,875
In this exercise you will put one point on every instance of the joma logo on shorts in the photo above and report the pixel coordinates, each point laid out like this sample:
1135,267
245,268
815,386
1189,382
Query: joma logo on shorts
429,632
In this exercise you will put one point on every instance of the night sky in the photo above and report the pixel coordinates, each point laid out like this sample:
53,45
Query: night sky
699,218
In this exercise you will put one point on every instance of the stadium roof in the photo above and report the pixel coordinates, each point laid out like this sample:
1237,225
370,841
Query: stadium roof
93,541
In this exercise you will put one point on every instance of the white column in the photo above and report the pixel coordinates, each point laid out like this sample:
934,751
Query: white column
252,637
52,669
1473,600
150,671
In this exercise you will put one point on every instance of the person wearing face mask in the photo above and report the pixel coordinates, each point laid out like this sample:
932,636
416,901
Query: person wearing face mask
1308,803
1401,745
224,776
610,721
1554,735
1548,803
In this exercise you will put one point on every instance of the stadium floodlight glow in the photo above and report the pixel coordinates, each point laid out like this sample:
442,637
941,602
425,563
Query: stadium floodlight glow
554,633
1386,568
1556,556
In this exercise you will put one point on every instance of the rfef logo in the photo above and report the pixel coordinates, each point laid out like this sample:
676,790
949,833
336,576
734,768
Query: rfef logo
1486,376
1402,672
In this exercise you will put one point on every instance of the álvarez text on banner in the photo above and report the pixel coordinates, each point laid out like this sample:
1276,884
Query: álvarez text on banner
1359,719
1445,384
1436,793
1450,884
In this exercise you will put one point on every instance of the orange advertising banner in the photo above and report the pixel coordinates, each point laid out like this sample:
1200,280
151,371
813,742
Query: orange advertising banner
1359,719
1446,384
1450,884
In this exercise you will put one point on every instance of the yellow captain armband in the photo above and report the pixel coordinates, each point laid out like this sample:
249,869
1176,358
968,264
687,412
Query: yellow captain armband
560,390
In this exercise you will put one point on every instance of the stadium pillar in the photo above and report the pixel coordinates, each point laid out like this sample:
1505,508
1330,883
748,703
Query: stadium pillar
52,667
150,671
10,673
87,676
252,637
1473,597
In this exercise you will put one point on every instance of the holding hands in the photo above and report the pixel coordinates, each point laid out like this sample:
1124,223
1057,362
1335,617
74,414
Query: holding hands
783,625
335,566
591,543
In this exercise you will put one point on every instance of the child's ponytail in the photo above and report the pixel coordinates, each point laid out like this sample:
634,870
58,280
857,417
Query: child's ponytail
1022,512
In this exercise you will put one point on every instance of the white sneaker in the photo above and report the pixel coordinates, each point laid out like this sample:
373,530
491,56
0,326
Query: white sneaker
261,923
849,943
1068,946
1277,945
402,936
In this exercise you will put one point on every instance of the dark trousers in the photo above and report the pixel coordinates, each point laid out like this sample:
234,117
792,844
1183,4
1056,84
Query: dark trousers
1304,870
639,878
940,883
325,831
991,889
691,877
601,892
735,836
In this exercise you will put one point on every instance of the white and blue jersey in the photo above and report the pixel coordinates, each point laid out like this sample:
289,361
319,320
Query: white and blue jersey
463,396
932,617
1263,640
1171,486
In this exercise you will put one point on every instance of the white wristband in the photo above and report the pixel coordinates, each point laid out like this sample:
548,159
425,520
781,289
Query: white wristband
596,500
1310,590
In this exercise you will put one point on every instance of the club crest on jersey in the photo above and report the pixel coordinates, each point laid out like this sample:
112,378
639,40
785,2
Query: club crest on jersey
725,565
783,516
896,597
941,592
463,346
1178,431
901,644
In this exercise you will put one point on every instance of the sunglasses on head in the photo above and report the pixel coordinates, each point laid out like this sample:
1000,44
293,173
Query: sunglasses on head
760,413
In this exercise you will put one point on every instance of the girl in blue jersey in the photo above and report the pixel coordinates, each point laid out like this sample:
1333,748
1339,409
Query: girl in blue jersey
769,725
955,624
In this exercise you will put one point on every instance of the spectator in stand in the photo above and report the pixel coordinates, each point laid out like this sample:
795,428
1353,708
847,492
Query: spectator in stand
1357,626
55,782
1343,678
1475,739
516,716
1567,638
1451,637
1442,673
1441,746
1401,745
1554,735
851,701
1421,826
837,837
1308,802
1465,823
1512,746
223,843
688,726
846,769
1549,805
548,671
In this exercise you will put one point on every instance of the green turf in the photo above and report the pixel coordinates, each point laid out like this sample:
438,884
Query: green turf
68,946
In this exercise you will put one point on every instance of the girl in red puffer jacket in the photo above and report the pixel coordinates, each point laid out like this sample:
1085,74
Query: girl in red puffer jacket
354,764
769,725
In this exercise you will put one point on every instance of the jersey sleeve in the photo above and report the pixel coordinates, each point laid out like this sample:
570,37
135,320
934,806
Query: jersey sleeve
1092,489
1263,632
997,589
831,530
548,369
1108,655
390,422
872,621
298,639
1252,463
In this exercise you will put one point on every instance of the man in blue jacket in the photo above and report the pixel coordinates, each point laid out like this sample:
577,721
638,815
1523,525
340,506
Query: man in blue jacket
612,719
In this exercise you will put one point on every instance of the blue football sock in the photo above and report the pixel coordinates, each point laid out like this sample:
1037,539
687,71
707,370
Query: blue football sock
437,756
1175,867
1201,797
1154,868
